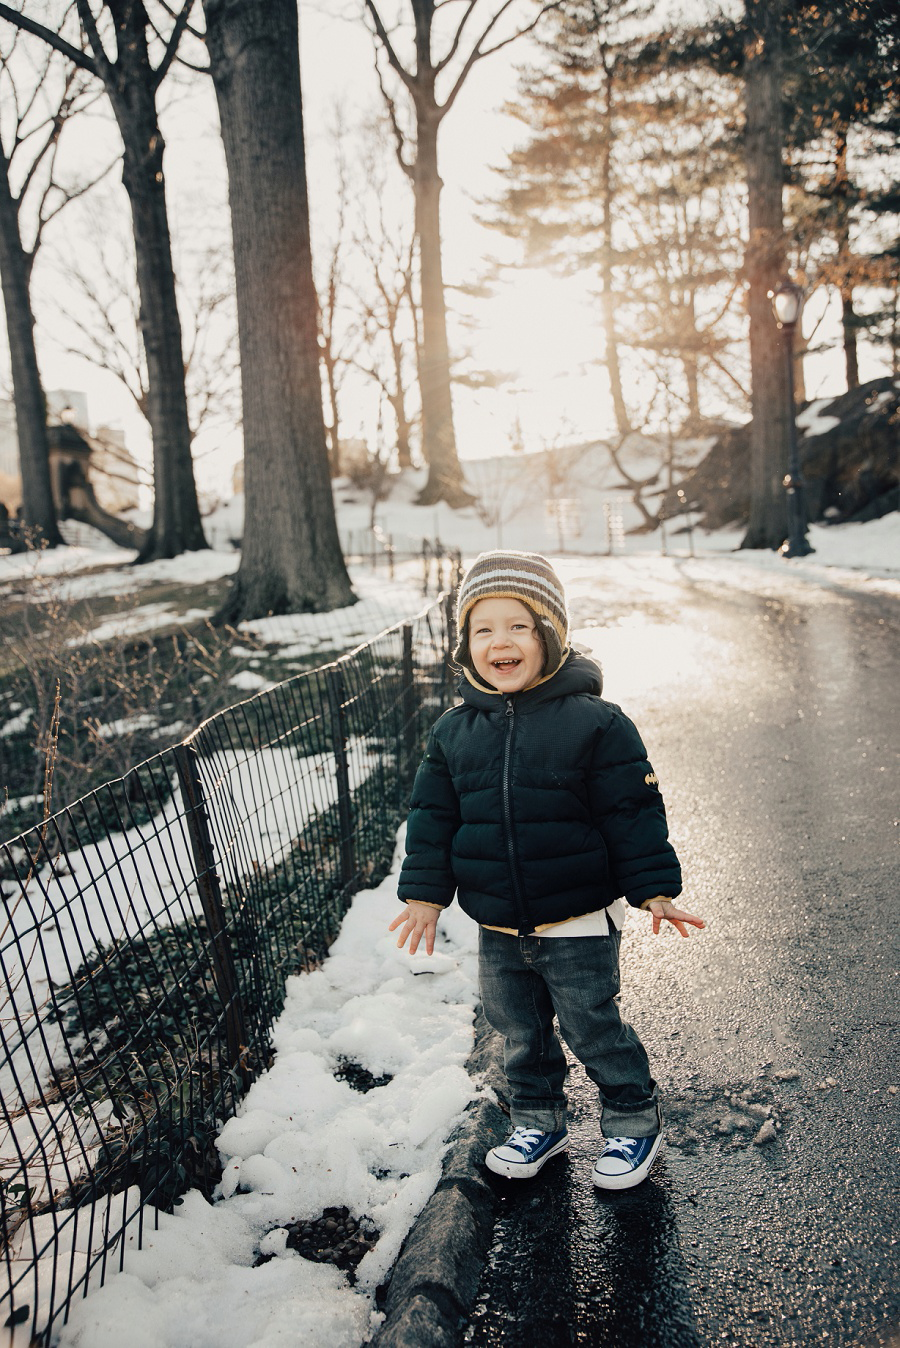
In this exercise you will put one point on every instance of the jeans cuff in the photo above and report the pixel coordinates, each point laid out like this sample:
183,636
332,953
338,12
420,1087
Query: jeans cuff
631,1121
546,1120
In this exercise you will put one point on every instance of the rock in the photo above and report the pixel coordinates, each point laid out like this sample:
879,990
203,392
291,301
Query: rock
787,1074
850,468
766,1134
830,1081
758,1111
892,1090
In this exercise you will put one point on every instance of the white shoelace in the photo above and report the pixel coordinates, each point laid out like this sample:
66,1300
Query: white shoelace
525,1137
621,1143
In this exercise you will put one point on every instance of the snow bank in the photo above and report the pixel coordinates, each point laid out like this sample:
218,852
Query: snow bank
305,1140
811,421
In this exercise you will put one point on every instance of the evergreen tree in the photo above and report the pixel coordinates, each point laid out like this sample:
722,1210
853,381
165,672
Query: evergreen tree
629,171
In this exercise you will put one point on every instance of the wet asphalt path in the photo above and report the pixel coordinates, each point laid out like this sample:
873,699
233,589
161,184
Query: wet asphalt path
771,716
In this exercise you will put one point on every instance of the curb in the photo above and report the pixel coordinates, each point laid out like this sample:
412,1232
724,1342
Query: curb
435,1279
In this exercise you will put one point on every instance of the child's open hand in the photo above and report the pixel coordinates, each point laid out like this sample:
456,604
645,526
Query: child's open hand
418,920
662,911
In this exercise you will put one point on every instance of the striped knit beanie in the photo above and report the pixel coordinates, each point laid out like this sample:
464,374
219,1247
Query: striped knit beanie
528,577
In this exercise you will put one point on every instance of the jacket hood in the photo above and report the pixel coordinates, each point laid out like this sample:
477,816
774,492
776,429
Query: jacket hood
577,674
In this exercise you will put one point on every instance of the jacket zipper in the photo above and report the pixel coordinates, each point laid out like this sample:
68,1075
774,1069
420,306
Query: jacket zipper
525,927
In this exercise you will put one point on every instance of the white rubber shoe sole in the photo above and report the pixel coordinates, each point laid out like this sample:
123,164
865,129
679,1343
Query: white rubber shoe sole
629,1178
522,1169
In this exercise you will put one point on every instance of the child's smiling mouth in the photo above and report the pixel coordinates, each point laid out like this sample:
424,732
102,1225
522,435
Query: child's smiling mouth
505,665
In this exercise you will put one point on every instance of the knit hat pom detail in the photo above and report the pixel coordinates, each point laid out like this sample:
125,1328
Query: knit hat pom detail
527,577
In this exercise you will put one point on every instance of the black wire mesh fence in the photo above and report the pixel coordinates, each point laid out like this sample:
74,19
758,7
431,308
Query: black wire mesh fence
147,934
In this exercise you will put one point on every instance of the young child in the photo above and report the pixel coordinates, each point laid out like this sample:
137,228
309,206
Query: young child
536,805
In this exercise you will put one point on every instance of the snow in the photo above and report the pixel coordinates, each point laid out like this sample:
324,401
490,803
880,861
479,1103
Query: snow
17,722
146,618
303,1141
125,725
246,680
812,422
381,604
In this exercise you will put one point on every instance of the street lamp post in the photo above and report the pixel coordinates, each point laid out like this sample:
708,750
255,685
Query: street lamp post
787,304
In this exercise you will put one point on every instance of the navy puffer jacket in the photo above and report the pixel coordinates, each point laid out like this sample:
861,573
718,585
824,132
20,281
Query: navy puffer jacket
537,807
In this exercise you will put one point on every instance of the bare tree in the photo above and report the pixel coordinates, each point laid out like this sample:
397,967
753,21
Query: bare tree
291,557
417,155
132,82
39,98
335,341
384,295
101,321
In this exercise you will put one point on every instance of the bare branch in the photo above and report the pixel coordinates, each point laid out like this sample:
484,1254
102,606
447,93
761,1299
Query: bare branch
457,37
194,32
479,51
399,138
104,67
388,46
54,40
68,194
181,23
745,393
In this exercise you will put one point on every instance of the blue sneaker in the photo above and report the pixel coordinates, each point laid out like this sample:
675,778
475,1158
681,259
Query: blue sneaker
524,1152
625,1161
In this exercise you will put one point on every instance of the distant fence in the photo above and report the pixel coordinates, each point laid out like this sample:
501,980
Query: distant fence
147,934
377,549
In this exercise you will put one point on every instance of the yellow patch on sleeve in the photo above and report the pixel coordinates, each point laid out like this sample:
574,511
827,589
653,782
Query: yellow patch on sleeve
651,779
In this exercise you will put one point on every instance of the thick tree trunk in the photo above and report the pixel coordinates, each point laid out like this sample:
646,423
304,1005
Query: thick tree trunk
291,558
445,476
38,511
764,263
176,524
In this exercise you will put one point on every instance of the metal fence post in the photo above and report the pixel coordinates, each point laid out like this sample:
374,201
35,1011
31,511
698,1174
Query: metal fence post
334,676
408,705
209,891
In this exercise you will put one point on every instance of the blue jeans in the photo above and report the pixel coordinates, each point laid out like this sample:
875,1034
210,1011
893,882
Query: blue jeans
524,981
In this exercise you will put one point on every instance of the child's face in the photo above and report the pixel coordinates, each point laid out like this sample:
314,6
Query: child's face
506,650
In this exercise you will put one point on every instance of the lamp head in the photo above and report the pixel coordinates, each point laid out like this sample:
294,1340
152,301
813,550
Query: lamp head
787,303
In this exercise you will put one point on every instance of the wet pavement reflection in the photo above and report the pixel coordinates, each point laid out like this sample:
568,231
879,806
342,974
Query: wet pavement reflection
771,718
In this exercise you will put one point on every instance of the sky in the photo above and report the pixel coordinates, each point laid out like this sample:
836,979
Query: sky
541,327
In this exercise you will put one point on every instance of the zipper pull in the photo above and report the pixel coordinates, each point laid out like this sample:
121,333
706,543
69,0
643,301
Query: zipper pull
510,709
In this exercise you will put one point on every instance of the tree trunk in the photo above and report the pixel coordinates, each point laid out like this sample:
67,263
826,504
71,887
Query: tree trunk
851,353
176,526
398,403
445,476
38,512
842,238
291,557
334,430
689,365
608,301
764,264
